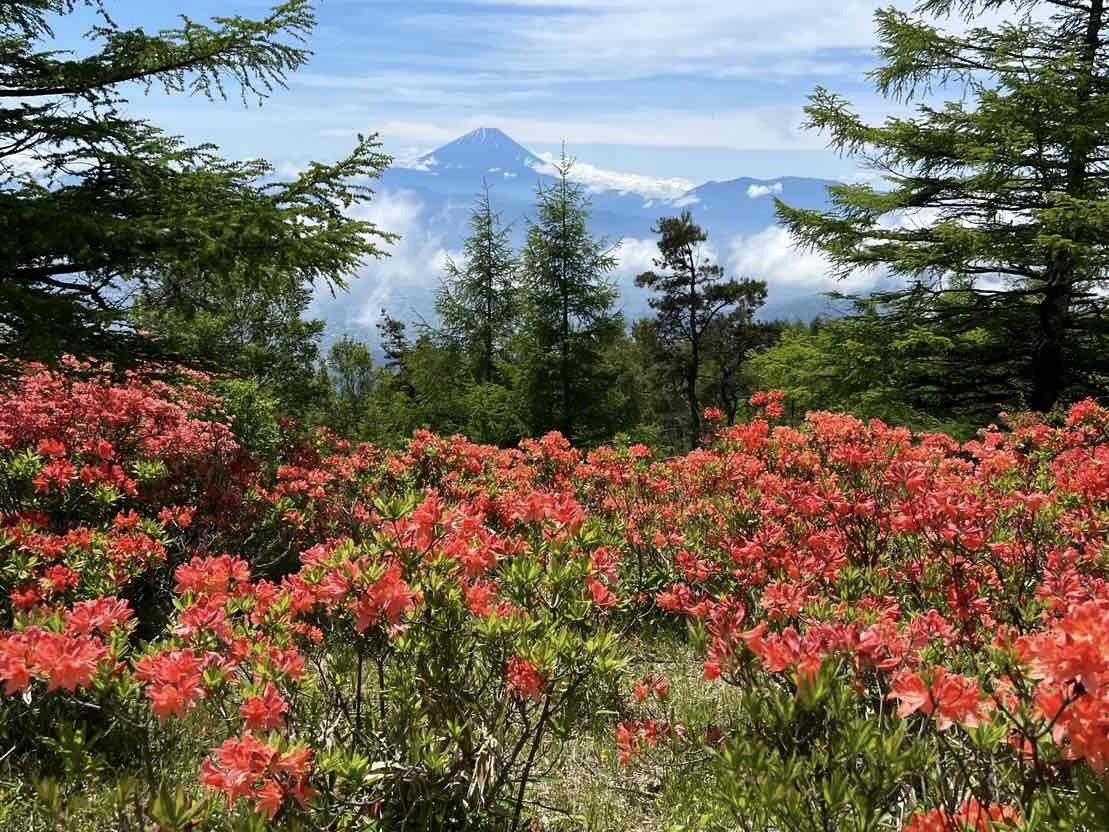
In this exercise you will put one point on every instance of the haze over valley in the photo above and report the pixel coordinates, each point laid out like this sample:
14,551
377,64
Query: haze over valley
427,199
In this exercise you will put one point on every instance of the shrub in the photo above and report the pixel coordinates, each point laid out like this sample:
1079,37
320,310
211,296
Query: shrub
309,634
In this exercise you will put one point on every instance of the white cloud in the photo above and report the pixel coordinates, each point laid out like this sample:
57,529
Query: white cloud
413,158
600,179
636,255
620,39
633,257
402,282
772,255
288,169
23,164
759,191
913,218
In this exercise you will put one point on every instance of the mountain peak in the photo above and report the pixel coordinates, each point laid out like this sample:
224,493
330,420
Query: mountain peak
486,149
482,135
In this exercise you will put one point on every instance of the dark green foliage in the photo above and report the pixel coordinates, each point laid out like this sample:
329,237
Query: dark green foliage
1008,260
477,301
253,329
100,209
394,341
692,299
570,318
731,341
864,365
350,373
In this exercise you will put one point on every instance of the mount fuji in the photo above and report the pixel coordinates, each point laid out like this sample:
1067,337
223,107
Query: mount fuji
428,199
485,148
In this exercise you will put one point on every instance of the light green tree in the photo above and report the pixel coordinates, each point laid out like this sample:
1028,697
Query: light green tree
994,210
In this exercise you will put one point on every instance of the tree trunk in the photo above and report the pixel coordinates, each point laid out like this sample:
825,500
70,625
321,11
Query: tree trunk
490,287
1049,364
691,393
565,335
694,355
565,370
1050,373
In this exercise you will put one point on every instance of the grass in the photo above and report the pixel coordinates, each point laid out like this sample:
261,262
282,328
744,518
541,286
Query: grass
586,787
581,785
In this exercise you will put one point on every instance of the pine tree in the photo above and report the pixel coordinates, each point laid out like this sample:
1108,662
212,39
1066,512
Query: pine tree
570,319
690,292
98,208
1003,238
730,341
477,301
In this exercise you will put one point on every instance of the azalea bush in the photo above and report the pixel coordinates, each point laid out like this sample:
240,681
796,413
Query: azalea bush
917,627
201,630
411,665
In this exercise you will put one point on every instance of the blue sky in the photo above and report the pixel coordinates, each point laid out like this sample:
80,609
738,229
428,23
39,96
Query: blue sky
700,89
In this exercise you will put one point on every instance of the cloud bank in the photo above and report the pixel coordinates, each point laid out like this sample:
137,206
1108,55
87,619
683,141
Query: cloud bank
402,283
600,179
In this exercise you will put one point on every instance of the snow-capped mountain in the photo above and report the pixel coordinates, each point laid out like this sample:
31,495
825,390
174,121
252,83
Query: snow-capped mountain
486,149
430,196
622,206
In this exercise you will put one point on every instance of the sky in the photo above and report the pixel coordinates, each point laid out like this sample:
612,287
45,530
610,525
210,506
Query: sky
654,96
696,89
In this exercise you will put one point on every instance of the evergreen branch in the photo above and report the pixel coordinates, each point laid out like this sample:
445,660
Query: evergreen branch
245,49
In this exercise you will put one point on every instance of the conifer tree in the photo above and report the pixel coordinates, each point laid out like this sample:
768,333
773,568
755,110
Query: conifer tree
477,300
571,317
98,208
995,211
257,330
393,334
690,292
730,341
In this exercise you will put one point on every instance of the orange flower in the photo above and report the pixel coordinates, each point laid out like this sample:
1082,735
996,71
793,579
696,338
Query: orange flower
950,698
524,678
265,712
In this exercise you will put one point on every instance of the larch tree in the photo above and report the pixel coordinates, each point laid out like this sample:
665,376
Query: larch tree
994,214
477,300
101,212
570,307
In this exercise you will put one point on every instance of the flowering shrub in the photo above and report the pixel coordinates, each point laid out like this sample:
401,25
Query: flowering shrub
917,626
341,637
424,650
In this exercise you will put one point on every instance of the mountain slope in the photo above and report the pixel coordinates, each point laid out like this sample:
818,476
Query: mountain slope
485,148
438,188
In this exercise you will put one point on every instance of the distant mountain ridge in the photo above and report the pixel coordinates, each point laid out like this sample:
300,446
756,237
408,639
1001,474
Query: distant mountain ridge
446,181
725,208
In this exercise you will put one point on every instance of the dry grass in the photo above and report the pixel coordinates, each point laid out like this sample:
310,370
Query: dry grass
581,787
586,787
